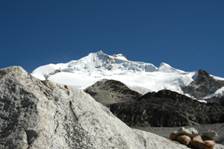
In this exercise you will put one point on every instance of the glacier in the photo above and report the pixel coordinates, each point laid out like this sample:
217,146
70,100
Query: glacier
139,76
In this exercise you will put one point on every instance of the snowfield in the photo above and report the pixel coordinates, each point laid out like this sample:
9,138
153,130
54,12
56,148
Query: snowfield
140,76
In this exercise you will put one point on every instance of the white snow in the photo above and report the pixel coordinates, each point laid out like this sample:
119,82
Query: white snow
44,71
218,93
96,66
217,78
139,76
164,67
120,56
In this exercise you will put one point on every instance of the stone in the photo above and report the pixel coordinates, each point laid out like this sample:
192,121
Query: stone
197,142
210,135
209,144
173,135
191,132
184,139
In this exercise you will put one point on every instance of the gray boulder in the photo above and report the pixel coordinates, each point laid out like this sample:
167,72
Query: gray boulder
38,114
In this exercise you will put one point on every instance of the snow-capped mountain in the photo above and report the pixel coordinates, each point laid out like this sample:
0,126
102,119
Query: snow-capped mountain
139,76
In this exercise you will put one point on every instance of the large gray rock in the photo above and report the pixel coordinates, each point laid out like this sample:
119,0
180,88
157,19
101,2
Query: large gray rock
38,114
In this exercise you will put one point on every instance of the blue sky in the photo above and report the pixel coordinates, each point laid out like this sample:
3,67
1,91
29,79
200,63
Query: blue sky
186,34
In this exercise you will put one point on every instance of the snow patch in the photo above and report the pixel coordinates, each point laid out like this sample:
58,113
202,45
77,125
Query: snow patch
217,78
120,57
218,93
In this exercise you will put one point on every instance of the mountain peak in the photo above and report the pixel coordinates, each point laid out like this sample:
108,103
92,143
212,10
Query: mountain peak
202,75
120,56
102,62
96,55
100,52
99,65
164,67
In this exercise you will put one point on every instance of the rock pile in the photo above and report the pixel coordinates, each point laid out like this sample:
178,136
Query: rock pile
191,138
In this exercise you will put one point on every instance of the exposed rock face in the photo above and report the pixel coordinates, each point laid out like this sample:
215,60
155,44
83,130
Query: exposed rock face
219,100
167,108
164,108
38,114
110,91
203,85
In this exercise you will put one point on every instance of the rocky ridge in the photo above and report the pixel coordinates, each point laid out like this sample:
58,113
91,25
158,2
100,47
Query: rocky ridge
163,108
203,85
167,108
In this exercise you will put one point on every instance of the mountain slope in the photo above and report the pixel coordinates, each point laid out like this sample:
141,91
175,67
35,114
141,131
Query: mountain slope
96,66
140,76
110,91
167,108
204,86
41,114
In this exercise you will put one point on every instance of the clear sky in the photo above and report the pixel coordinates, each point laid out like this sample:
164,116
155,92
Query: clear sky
187,34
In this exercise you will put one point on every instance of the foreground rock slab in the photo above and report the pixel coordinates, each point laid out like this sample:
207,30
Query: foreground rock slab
38,114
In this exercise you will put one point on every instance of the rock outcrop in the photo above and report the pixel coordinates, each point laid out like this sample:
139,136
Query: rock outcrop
38,114
203,85
167,108
216,99
110,91
163,108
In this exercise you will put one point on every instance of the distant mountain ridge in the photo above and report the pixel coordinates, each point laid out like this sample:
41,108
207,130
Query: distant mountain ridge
162,108
139,76
167,108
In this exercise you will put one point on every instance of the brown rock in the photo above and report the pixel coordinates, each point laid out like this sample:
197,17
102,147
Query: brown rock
197,139
197,142
173,136
184,139
191,132
209,144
